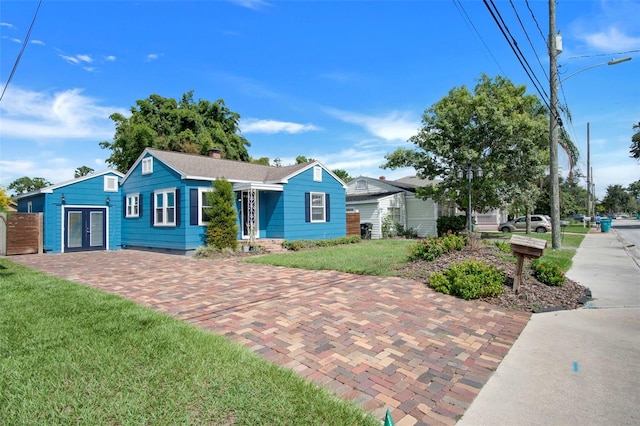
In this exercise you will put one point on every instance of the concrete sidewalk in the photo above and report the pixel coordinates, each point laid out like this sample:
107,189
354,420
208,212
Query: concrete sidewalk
579,367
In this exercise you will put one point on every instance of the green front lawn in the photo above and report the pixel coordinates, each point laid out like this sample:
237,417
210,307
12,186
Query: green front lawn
71,354
383,257
369,257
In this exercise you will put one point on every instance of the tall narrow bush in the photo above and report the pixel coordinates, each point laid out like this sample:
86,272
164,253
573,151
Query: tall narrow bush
222,231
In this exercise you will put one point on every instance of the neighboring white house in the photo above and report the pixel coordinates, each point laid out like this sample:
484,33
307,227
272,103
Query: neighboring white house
375,199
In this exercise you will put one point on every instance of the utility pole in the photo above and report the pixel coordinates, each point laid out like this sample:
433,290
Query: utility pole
588,175
553,130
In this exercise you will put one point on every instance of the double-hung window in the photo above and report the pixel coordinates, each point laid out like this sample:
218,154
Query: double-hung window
165,207
203,217
133,205
318,207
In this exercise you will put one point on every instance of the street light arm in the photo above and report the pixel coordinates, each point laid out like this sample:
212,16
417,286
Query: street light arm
611,62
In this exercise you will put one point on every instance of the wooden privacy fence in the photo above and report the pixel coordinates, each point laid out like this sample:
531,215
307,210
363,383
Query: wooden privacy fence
21,233
353,223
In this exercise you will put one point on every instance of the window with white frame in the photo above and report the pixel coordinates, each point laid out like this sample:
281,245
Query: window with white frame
147,165
394,213
317,207
133,205
361,185
29,207
110,184
317,174
165,207
203,217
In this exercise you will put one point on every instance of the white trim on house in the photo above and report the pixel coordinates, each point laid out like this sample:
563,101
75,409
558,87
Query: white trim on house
165,209
201,205
135,207
51,188
322,197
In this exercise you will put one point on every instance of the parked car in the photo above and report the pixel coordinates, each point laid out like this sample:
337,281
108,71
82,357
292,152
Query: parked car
539,223
576,216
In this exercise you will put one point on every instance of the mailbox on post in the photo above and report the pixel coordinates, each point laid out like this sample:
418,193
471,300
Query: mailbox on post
523,247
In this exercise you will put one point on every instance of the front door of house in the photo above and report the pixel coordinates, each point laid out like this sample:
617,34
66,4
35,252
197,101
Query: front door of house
85,229
249,214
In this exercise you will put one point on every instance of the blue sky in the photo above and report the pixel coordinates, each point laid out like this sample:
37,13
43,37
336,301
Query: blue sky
344,82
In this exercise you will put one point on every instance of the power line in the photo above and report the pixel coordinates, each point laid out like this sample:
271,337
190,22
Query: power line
529,39
22,48
603,54
470,24
536,21
527,68
515,43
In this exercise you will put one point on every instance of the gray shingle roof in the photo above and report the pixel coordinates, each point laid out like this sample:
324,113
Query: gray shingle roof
200,166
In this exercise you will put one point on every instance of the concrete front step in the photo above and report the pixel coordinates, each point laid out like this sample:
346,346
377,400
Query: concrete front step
271,245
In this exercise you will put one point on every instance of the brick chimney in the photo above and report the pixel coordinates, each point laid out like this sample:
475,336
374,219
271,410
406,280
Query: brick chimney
383,178
215,153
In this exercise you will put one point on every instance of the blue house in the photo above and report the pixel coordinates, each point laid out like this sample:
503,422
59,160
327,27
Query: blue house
80,214
160,204
164,199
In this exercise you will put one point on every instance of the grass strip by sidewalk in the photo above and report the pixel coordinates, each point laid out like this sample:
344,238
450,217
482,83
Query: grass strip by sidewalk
71,354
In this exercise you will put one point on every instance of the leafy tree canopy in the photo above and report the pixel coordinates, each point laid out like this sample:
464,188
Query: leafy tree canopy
4,199
182,126
82,171
617,200
262,160
635,142
497,128
634,189
302,159
26,184
342,174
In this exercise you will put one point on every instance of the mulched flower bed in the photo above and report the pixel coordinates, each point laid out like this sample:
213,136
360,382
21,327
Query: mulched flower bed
533,295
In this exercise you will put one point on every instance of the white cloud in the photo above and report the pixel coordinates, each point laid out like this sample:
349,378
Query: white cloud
15,40
76,59
70,59
273,126
110,58
394,126
152,57
38,42
7,25
251,4
53,116
611,39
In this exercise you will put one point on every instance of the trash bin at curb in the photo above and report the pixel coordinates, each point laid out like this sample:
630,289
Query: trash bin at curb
605,224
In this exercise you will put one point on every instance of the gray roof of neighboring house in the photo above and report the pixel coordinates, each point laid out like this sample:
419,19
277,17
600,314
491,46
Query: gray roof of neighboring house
366,197
415,181
203,167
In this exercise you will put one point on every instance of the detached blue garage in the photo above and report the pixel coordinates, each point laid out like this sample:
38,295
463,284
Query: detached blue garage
80,214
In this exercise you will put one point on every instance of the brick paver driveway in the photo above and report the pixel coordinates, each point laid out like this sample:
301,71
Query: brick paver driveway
381,342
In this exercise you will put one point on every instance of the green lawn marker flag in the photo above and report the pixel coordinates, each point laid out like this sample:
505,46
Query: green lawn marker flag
388,421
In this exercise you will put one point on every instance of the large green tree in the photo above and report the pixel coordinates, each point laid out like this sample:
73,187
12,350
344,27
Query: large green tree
635,142
26,184
497,128
182,126
82,171
616,200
